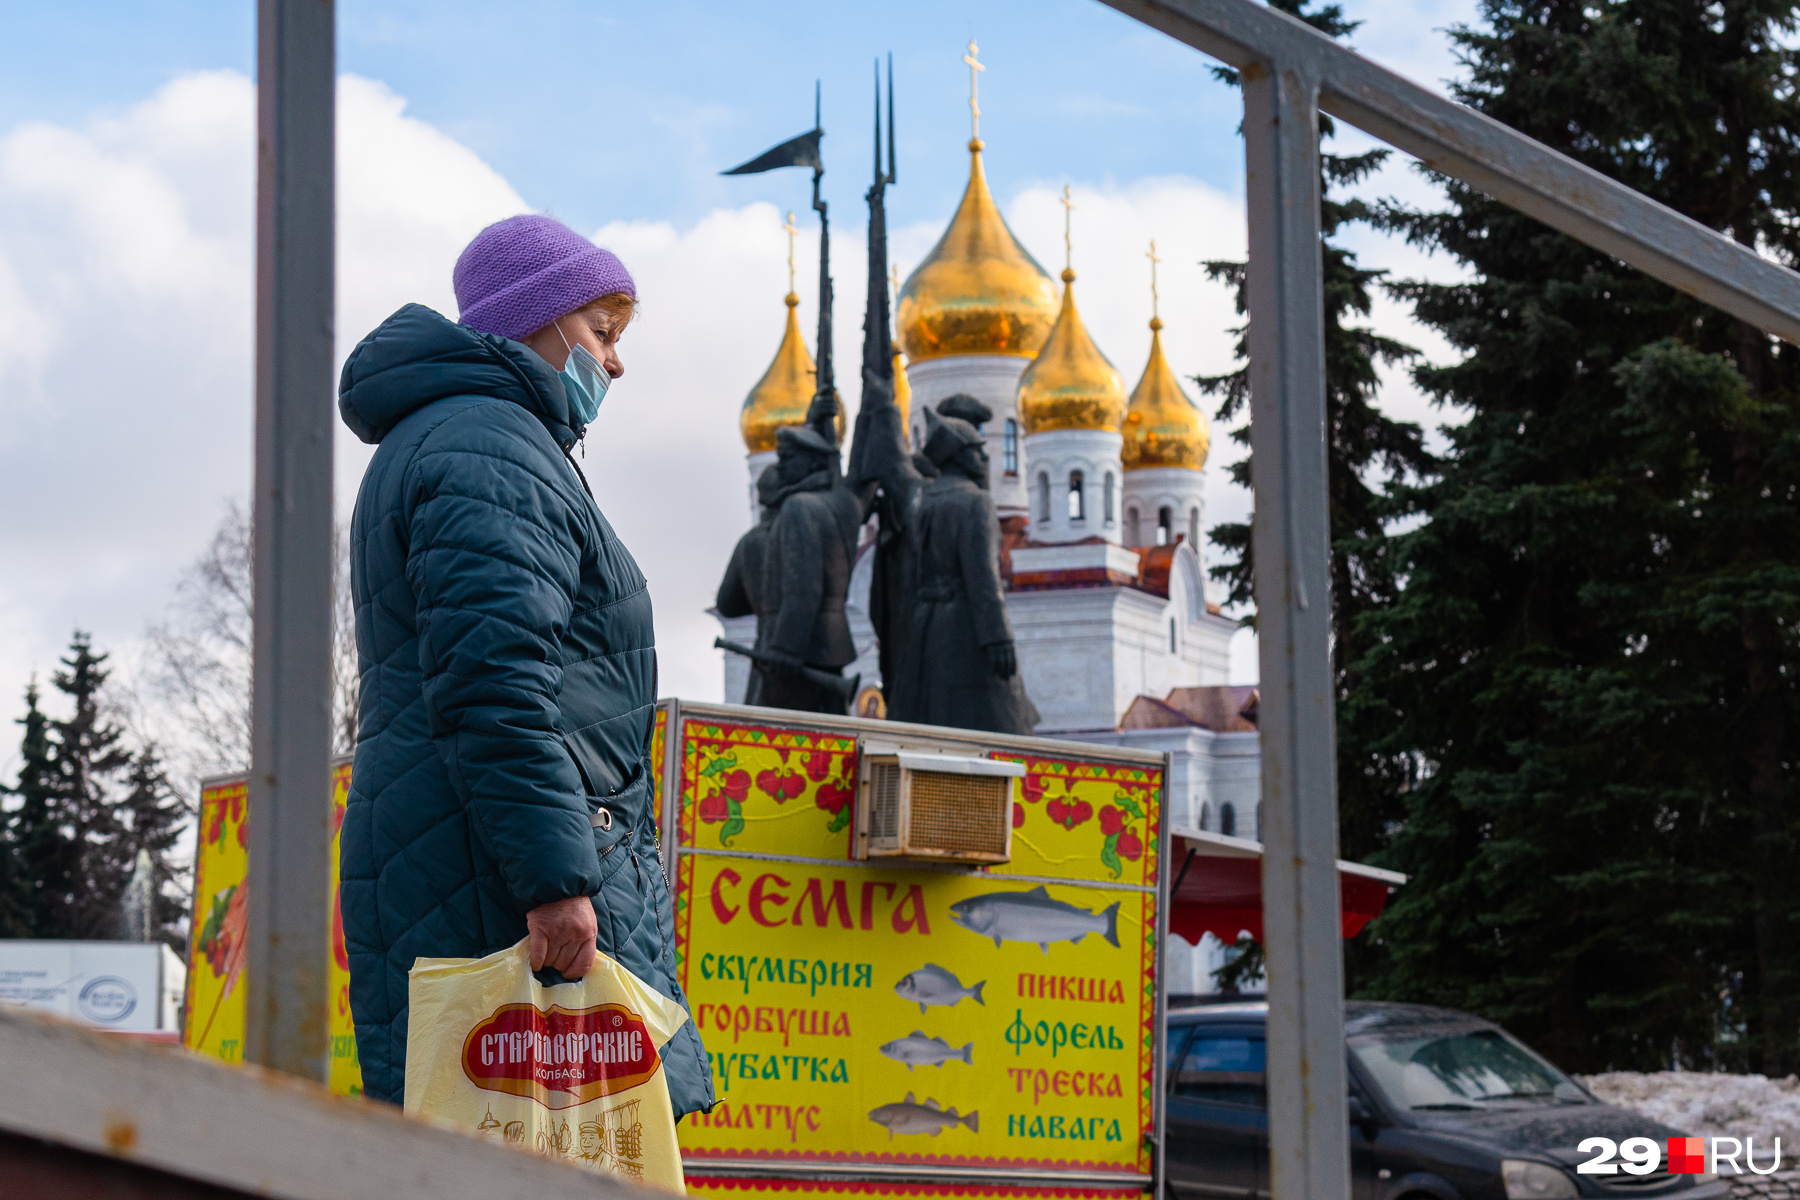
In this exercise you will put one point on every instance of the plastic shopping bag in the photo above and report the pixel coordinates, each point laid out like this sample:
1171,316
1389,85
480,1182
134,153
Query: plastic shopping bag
571,1071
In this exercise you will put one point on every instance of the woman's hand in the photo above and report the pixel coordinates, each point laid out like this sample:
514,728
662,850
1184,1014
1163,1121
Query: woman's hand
562,936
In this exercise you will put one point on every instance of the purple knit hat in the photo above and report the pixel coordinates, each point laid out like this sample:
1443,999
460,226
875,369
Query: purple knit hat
520,274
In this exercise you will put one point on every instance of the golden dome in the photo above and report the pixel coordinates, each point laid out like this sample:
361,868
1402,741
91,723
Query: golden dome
978,291
1070,385
1163,428
782,395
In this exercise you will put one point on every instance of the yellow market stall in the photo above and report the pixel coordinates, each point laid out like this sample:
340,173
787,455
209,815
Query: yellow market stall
882,1016
213,1009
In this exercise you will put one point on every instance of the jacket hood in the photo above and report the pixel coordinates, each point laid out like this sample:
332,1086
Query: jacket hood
418,356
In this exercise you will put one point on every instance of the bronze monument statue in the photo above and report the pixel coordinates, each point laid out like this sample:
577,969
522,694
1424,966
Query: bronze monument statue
741,591
810,549
937,603
965,407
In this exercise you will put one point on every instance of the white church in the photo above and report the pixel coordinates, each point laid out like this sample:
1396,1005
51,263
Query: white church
1099,494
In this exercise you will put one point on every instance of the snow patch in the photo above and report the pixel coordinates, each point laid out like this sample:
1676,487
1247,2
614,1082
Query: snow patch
1703,1104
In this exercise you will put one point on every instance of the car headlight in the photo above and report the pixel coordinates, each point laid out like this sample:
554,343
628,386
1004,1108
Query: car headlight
1536,1181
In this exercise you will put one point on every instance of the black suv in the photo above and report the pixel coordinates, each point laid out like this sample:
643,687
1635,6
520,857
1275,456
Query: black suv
1443,1106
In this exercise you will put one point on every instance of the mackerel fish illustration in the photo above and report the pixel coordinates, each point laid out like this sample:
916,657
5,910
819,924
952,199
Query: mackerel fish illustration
909,1116
931,984
917,1050
1033,917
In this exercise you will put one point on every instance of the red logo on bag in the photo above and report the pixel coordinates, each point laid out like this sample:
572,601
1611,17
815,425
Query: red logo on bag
560,1058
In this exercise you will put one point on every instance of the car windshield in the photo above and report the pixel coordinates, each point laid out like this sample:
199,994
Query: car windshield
1469,1069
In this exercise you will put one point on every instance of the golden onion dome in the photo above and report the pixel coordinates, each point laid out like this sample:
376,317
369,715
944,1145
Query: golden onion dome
782,396
1163,428
978,291
1070,385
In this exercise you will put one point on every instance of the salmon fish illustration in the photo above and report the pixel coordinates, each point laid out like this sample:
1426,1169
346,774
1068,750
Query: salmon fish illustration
931,984
917,1050
909,1116
1033,917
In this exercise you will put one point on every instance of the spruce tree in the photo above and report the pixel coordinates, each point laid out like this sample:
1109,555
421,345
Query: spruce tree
152,817
47,839
22,826
89,860
1593,659
1363,444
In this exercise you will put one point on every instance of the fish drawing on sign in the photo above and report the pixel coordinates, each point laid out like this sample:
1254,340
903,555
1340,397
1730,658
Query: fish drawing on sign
1033,917
909,1116
917,1050
931,984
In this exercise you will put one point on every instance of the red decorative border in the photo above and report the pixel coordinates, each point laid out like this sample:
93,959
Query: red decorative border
659,727
921,1160
883,1187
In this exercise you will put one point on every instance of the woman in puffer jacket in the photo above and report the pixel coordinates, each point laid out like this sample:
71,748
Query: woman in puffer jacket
501,787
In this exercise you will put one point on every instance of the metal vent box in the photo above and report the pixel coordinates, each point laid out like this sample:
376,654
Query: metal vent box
943,807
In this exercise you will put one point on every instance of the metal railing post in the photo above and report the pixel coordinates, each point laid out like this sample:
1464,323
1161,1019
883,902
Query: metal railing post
1308,1122
290,773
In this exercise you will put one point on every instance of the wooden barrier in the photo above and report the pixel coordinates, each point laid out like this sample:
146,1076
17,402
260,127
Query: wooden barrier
83,1113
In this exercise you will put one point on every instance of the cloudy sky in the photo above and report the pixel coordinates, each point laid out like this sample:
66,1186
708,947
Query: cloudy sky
126,197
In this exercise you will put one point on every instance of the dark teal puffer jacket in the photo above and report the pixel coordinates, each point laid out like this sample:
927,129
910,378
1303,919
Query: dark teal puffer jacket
508,679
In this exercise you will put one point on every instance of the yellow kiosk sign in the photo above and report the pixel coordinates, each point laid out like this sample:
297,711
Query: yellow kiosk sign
939,1020
214,1010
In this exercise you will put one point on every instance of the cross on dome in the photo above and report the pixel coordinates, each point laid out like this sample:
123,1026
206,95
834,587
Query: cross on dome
974,90
1154,314
792,229
1068,241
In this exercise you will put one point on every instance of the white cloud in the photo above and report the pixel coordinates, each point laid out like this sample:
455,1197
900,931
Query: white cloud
126,267
124,370
125,340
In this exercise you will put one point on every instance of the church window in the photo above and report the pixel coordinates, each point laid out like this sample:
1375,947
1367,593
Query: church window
1259,832
1174,641
1043,497
1228,819
1194,529
1131,527
1108,504
1165,522
1205,813
1009,447
1077,497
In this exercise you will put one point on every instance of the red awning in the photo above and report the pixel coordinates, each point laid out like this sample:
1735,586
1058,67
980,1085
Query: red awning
1219,889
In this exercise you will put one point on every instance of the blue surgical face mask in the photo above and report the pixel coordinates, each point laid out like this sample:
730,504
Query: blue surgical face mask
584,379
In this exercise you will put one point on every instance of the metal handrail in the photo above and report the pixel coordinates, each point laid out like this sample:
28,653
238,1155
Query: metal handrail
1512,168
